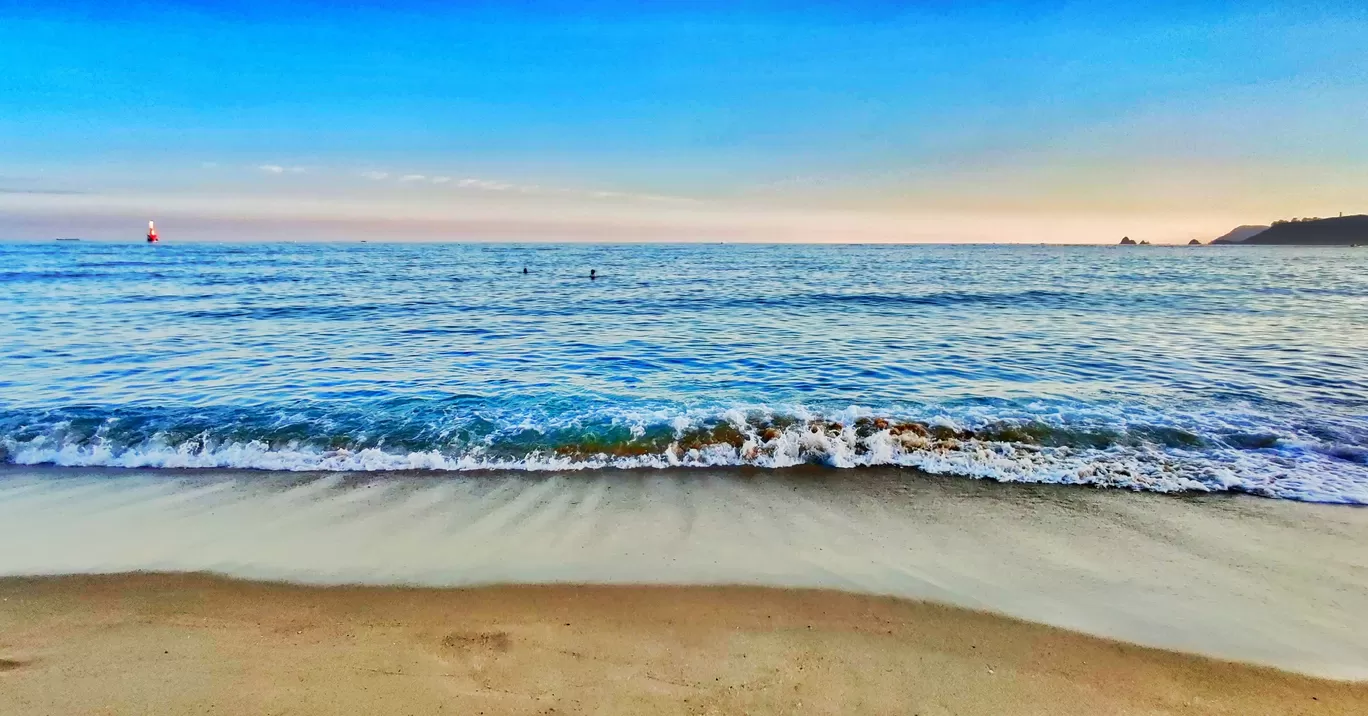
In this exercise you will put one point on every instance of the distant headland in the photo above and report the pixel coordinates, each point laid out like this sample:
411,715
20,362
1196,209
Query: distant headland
1315,231
1240,233
1311,231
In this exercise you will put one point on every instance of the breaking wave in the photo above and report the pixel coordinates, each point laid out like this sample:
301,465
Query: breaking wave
1036,443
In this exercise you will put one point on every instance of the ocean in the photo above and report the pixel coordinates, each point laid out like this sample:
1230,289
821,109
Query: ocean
1167,369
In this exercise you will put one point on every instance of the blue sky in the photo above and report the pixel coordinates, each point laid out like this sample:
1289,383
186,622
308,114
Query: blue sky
761,121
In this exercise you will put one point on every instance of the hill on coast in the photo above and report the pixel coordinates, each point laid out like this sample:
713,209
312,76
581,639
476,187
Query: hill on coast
1337,231
1239,234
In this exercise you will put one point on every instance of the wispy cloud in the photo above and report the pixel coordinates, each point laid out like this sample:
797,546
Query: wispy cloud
511,187
50,192
490,185
209,165
641,197
278,169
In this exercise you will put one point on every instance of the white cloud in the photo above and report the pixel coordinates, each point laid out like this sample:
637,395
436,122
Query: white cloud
209,165
277,169
486,184
534,189
662,197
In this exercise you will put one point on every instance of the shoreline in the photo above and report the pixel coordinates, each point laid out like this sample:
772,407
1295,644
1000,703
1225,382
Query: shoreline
1233,577
185,643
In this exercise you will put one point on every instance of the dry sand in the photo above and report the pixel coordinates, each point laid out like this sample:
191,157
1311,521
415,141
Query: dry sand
183,644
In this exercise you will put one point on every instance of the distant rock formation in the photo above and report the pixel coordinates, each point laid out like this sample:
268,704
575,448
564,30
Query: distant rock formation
1240,234
1337,231
1127,241
1194,242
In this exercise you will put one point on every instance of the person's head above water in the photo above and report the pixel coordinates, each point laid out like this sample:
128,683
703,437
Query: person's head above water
592,273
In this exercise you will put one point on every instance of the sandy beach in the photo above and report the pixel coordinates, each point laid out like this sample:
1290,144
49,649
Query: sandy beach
183,644
1239,578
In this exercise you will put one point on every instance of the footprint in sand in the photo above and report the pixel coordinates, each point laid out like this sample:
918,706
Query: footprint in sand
469,655
11,664
473,641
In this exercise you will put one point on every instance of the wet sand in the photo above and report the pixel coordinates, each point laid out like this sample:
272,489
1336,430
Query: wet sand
194,644
1234,577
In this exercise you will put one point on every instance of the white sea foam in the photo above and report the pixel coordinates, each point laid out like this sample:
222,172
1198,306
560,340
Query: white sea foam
1294,471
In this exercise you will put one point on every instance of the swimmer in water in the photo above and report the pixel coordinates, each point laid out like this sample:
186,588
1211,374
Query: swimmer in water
592,274
524,269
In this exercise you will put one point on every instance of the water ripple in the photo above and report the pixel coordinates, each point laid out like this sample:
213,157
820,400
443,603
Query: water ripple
448,356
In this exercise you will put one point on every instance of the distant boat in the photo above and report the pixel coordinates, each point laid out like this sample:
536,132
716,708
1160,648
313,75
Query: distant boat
151,233
65,239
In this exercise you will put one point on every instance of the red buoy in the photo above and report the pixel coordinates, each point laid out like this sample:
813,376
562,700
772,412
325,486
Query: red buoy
151,233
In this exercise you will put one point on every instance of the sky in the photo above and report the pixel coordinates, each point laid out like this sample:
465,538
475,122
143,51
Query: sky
715,121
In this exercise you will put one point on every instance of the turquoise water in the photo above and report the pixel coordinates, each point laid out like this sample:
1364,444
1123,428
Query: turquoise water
1155,368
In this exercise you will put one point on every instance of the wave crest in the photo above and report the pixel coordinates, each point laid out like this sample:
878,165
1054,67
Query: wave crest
1126,454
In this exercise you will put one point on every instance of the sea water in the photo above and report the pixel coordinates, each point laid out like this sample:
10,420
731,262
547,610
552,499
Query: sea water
1169,369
